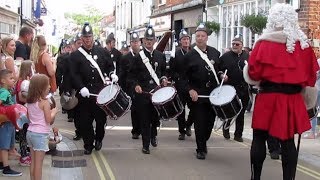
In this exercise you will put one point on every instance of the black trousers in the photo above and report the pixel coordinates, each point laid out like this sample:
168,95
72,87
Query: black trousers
76,120
289,155
136,129
273,144
149,119
88,111
204,117
244,97
182,123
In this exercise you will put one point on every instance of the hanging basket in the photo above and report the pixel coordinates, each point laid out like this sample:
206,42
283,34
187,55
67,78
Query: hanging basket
256,23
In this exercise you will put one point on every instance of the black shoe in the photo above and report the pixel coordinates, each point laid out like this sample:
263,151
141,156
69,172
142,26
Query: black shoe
154,142
201,155
70,120
77,137
98,145
274,155
226,134
145,151
182,136
7,171
239,139
188,131
88,151
135,136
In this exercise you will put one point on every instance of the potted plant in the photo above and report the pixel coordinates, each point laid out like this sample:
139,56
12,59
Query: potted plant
212,26
256,23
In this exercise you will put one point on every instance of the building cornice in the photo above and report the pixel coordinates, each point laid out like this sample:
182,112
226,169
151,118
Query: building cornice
9,12
176,8
29,23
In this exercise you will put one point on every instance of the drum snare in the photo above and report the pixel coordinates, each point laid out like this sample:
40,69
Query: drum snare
114,101
225,102
167,103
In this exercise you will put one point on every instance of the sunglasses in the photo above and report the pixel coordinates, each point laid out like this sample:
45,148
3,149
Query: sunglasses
236,44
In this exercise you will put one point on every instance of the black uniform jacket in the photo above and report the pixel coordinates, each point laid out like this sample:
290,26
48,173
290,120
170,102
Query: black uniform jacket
198,75
63,77
139,74
125,64
234,63
116,57
84,74
177,65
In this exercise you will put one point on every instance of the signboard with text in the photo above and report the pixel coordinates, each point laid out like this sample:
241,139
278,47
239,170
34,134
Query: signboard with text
161,23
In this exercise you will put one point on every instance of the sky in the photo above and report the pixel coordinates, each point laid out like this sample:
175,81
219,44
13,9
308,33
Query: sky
58,7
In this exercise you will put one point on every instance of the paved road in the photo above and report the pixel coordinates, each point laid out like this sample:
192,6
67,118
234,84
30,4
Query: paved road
121,158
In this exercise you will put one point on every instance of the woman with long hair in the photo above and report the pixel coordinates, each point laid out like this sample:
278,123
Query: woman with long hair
8,49
42,60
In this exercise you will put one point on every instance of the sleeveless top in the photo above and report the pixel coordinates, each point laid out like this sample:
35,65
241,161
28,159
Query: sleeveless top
38,122
40,68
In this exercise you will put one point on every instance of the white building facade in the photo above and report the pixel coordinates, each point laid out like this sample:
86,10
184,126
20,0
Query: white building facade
130,14
229,13
9,18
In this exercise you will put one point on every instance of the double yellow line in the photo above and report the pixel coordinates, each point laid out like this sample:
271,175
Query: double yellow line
96,161
300,168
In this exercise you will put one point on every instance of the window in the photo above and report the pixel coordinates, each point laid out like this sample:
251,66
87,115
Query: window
162,2
231,21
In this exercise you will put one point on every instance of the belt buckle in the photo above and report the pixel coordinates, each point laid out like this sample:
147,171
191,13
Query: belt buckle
208,84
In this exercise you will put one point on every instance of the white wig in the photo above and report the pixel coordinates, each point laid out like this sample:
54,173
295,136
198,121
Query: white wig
284,17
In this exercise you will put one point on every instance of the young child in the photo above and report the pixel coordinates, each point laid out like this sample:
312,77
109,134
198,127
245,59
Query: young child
7,130
26,71
41,117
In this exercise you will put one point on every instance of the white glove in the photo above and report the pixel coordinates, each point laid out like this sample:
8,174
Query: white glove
85,92
114,78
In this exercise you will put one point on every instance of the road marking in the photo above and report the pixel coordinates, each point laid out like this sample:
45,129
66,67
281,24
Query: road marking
300,168
107,166
96,162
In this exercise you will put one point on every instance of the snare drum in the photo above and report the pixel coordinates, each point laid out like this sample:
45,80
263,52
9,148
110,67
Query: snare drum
225,102
114,101
167,102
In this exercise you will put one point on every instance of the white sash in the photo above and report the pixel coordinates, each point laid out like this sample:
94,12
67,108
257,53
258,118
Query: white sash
206,59
93,62
146,62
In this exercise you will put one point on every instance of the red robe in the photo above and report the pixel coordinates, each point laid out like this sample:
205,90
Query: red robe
282,115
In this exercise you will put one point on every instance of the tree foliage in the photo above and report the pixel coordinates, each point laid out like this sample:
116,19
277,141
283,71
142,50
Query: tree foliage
91,15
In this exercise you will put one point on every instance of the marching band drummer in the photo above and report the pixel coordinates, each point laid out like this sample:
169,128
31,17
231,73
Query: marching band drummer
176,71
200,80
234,62
88,65
147,71
125,64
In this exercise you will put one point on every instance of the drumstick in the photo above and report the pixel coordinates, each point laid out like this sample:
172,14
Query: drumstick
224,75
204,96
96,95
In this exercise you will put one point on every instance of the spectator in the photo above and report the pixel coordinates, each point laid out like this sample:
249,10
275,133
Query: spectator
22,44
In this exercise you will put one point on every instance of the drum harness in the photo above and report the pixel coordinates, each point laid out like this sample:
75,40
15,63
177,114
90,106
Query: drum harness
228,122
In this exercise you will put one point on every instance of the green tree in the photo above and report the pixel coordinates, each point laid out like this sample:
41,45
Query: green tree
91,15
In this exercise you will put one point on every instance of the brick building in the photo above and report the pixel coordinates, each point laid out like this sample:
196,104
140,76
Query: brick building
309,20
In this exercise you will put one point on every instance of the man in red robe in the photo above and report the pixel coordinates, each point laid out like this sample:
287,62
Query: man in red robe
283,64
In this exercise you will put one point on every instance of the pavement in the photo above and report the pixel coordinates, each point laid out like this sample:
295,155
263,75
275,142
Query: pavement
121,157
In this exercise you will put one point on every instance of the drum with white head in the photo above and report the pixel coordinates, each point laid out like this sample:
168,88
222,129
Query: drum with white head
167,102
114,101
225,102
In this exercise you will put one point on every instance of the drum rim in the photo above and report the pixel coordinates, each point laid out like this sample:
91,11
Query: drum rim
171,98
113,98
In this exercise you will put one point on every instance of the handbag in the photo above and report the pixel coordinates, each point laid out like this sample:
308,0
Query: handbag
71,103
